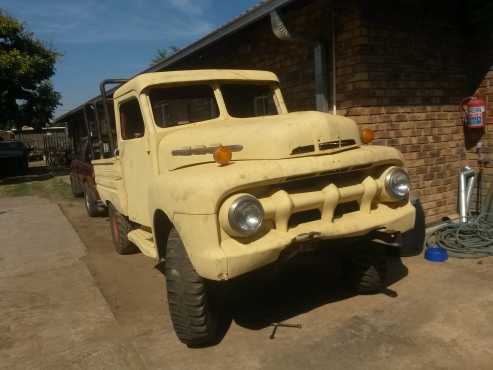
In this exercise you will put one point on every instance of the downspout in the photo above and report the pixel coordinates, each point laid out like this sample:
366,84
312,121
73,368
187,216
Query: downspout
334,65
321,85
320,58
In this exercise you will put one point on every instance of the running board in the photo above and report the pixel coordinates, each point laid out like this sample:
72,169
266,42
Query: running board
144,241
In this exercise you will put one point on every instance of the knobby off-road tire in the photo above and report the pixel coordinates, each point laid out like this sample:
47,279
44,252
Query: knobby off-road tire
368,269
120,227
193,301
413,241
91,206
76,191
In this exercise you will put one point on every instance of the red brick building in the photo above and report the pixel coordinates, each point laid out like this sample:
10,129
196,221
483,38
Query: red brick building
401,67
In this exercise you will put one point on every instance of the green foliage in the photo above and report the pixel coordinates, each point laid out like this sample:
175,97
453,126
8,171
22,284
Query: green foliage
26,65
54,188
162,54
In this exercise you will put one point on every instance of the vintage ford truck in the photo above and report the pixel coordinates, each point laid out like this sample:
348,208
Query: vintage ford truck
214,178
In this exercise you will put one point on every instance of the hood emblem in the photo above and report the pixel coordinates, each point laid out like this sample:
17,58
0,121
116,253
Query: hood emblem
203,149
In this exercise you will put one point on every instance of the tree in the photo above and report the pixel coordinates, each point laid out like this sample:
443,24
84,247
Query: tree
162,54
26,65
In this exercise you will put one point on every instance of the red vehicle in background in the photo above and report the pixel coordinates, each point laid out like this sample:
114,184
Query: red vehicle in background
82,179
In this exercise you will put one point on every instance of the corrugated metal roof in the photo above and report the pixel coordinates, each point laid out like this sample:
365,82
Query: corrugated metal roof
257,12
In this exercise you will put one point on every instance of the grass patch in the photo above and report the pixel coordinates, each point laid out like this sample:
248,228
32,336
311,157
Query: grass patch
54,188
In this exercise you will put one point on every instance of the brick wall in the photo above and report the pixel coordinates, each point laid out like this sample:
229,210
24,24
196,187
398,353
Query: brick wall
402,70
480,64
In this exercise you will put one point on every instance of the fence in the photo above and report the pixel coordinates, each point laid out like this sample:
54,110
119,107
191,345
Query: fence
57,150
55,147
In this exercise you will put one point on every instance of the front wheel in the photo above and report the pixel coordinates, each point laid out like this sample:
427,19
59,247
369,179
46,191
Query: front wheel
413,241
367,269
193,301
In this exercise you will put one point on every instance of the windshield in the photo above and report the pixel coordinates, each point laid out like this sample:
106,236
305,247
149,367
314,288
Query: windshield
244,100
179,105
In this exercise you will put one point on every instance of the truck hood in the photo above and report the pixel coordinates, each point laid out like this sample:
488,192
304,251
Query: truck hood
260,138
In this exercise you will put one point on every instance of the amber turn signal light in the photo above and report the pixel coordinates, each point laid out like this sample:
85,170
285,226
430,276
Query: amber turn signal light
367,136
223,155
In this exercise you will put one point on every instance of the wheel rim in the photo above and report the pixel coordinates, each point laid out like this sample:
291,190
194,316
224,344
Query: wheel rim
88,203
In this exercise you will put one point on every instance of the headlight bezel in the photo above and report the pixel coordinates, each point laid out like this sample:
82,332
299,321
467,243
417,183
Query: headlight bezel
390,190
231,224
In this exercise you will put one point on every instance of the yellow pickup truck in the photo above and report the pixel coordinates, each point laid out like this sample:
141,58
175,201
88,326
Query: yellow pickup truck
214,178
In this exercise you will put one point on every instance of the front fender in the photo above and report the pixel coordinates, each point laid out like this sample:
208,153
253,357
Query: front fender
198,232
200,236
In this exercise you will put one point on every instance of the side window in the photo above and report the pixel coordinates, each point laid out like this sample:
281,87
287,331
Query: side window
131,121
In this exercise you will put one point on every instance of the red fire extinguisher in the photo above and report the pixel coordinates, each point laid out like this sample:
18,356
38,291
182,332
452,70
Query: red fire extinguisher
474,112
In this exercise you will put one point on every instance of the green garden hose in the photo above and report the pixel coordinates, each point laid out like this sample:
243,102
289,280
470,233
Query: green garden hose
473,239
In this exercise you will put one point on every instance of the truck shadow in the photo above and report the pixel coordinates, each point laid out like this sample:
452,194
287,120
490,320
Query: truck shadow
276,294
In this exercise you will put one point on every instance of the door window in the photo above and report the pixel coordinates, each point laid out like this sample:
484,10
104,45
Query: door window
131,120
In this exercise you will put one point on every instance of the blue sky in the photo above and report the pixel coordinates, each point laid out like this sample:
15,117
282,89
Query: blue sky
109,39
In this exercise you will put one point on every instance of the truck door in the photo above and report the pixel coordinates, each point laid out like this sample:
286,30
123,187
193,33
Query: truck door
135,159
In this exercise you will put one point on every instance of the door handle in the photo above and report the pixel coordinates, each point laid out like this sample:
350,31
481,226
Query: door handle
116,152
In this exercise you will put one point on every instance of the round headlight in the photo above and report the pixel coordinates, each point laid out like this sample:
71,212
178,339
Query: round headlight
246,215
397,183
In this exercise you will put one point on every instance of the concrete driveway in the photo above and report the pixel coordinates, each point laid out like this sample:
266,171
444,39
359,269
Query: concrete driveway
68,301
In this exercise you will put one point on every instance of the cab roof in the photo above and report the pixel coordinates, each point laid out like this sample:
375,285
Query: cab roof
145,80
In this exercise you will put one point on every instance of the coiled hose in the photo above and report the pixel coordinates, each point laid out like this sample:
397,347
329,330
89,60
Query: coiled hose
472,239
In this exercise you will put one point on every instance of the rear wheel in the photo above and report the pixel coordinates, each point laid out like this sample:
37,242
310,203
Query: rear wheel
120,227
76,191
92,208
193,301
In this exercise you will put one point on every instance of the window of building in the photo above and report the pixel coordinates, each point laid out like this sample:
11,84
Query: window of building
180,105
131,120
249,100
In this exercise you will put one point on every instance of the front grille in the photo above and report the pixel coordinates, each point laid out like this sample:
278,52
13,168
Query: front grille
303,149
336,144
324,198
328,145
304,217
345,208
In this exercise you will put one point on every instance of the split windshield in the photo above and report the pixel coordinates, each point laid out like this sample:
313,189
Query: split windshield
179,105
249,100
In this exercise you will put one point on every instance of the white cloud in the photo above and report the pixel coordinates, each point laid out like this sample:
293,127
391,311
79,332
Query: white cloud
174,21
188,6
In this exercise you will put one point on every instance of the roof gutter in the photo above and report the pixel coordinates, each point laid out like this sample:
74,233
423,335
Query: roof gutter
281,31
260,11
